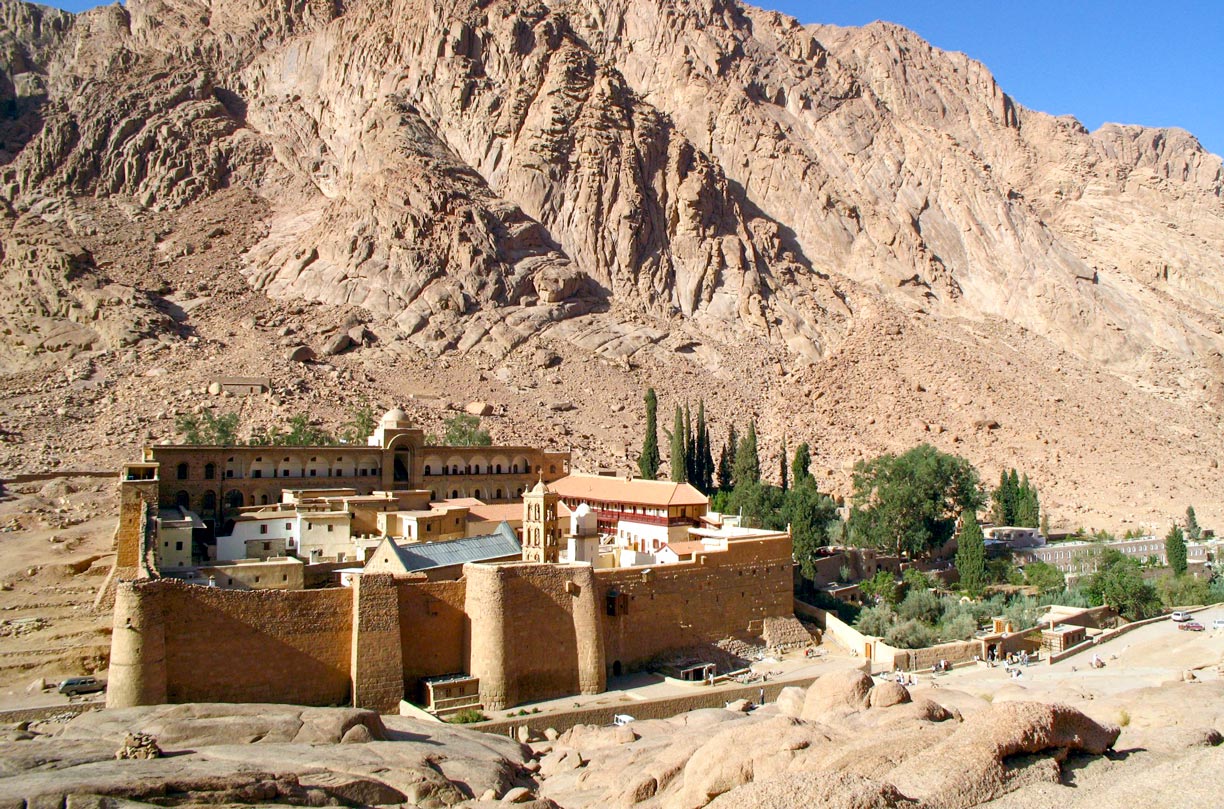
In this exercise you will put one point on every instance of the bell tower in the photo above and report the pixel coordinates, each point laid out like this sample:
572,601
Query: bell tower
541,527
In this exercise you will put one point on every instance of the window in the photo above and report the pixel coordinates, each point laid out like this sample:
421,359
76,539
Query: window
267,546
256,473
182,471
288,526
178,546
329,528
229,473
427,470
263,529
210,471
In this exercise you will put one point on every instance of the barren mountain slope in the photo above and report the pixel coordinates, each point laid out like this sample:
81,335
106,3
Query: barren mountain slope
853,236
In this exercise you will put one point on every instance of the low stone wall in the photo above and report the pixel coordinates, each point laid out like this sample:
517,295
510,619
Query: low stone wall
703,697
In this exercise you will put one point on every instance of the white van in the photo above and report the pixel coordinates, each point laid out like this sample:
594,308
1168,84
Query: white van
1180,615
1218,623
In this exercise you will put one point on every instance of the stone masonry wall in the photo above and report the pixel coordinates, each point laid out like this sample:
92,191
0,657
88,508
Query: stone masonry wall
535,632
433,631
375,665
673,606
256,646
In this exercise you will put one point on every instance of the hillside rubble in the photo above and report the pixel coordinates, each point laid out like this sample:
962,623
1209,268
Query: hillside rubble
856,238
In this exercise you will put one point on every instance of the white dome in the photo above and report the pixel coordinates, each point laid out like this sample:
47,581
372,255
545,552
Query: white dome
393,417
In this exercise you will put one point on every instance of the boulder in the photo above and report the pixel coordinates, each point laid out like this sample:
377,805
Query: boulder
790,701
300,354
337,345
352,790
214,388
478,409
561,407
839,692
360,335
887,694
978,762
827,790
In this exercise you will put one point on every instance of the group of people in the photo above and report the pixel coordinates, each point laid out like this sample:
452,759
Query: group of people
901,677
941,666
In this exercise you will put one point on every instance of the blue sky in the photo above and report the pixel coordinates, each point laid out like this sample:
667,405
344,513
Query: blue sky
1152,63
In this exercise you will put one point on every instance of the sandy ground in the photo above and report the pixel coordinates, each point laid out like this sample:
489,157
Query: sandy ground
55,551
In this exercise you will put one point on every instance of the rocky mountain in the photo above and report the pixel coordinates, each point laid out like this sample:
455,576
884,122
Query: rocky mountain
856,237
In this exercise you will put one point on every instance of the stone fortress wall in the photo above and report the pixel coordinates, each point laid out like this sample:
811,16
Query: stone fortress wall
529,631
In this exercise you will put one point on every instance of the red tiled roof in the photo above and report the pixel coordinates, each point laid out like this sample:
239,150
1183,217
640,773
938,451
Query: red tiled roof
636,491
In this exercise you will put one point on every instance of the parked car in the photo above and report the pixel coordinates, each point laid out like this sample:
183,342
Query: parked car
81,685
1193,626
1218,623
1180,615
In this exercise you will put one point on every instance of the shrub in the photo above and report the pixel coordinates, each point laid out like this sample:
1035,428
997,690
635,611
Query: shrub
1183,591
876,620
910,635
466,717
961,627
920,605
1045,577
882,586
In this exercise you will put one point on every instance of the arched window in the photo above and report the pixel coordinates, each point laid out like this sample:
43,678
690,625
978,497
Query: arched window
499,469
233,499
497,496
209,503
210,471
454,493
182,471
428,471
182,500
263,500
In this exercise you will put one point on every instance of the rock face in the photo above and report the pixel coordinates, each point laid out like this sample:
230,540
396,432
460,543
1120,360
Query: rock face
855,746
265,754
659,184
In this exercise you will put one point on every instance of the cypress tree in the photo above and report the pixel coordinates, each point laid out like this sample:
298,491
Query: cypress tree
726,461
747,461
677,458
648,461
782,464
705,457
1013,493
1193,531
1026,515
690,447
971,555
1175,550
999,510
800,469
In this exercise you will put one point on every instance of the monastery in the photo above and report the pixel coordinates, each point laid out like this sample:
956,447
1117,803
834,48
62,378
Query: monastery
371,575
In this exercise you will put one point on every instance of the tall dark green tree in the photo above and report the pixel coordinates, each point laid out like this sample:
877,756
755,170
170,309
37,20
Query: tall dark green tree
1118,582
782,461
705,455
801,467
908,504
648,461
747,467
971,555
690,446
1003,501
1027,510
809,515
1175,550
726,461
677,458
1193,531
